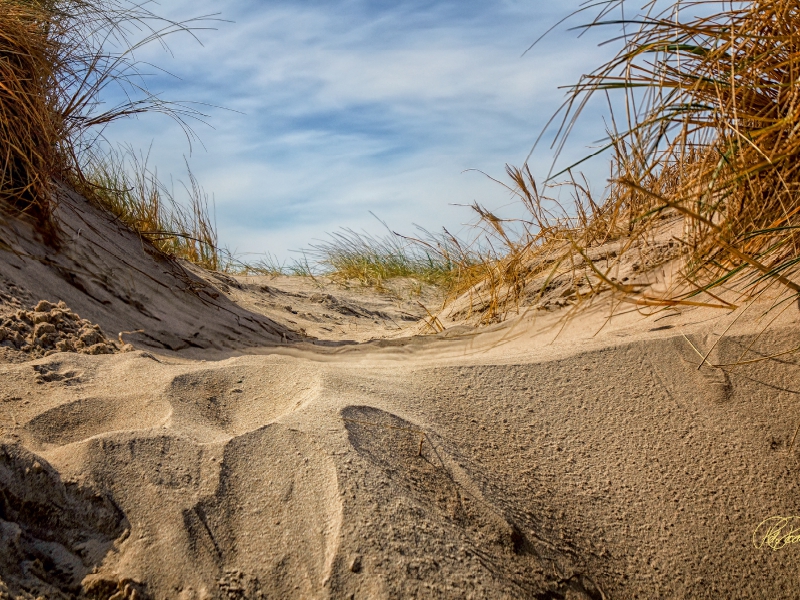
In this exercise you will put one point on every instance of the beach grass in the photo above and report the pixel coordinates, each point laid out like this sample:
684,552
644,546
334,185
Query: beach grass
712,114
266,264
122,183
704,127
436,259
56,58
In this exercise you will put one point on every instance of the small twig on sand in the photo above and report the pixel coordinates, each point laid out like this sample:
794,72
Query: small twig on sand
121,333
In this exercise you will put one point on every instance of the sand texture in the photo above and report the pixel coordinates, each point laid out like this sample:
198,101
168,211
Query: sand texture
240,449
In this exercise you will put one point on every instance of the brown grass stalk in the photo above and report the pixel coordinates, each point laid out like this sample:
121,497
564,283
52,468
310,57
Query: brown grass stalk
712,106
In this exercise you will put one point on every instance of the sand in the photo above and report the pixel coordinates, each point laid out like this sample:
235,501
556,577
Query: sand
242,449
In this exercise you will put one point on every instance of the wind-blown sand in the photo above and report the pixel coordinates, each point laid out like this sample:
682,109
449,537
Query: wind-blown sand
232,455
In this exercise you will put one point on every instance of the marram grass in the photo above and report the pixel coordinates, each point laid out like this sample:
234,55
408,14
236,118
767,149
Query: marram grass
56,58
713,134
711,107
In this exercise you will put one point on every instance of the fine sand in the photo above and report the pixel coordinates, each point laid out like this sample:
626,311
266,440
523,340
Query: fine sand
252,442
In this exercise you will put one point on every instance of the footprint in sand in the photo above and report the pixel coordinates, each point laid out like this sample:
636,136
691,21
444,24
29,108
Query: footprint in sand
683,375
215,404
258,516
716,384
425,471
448,507
208,405
273,523
49,373
87,417
52,534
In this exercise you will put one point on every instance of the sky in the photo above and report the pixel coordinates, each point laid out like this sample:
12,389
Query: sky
323,112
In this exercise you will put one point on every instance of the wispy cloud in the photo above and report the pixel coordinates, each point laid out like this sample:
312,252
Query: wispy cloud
349,106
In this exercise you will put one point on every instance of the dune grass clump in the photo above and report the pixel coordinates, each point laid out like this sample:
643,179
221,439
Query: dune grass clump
56,59
373,259
122,184
493,267
30,126
713,113
266,265
711,109
509,263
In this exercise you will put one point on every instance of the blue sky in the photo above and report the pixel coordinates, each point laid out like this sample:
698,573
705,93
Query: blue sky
343,107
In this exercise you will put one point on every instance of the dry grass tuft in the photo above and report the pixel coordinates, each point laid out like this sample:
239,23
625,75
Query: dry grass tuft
519,260
266,265
123,184
30,126
438,259
56,57
712,141
713,107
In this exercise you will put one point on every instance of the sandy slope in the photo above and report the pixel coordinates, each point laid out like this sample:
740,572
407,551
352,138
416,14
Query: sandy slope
598,463
107,274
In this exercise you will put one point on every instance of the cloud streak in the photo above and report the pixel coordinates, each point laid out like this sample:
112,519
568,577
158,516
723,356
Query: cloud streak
346,106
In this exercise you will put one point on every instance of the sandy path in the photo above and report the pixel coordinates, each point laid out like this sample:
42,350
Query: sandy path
609,467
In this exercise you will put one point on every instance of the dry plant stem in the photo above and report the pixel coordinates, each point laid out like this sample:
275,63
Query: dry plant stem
434,322
760,359
700,354
710,293
121,333
679,205
763,329
794,437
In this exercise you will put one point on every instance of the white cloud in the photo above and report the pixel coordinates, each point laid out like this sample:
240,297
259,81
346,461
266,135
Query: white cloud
350,106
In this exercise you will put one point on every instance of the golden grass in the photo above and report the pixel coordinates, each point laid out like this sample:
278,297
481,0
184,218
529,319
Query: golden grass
122,184
30,125
56,57
517,255
712,137
371,259
713,113
494,268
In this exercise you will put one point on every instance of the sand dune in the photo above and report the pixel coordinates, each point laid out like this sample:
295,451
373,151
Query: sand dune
229,455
